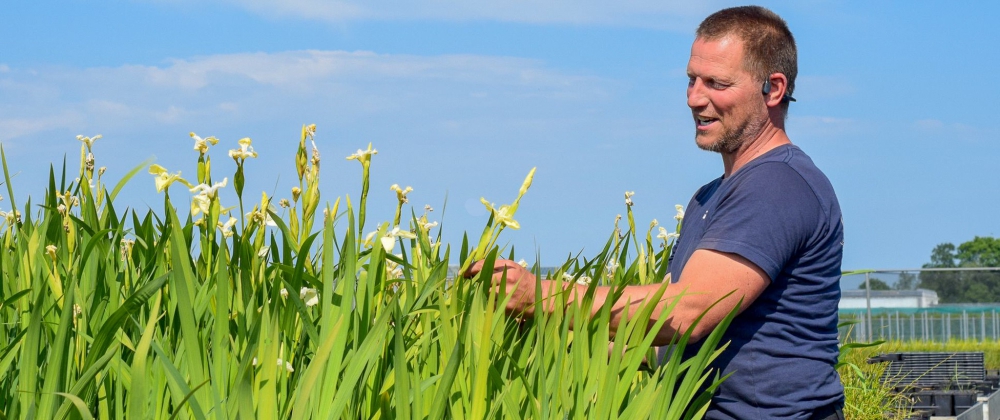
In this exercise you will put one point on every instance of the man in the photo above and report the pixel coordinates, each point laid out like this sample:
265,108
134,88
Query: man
769,229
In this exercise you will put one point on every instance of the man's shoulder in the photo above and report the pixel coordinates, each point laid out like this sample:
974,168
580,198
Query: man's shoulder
786,155
788,166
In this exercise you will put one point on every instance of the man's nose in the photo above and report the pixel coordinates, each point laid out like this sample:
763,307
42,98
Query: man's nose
696,95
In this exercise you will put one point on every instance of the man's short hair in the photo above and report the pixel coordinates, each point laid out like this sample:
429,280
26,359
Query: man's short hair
768,43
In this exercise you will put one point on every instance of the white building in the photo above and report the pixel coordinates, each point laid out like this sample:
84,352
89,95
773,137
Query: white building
920,298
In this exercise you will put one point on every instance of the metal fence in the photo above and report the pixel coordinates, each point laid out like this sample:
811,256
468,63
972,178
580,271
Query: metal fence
932,324
968,321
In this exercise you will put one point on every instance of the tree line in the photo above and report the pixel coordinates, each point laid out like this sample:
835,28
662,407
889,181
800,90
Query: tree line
956,286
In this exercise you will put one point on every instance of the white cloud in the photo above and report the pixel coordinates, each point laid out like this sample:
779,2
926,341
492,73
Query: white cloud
301,69
664,14
955,131
241,87
12,128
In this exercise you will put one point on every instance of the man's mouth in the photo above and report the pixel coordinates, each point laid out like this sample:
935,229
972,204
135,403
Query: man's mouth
703,121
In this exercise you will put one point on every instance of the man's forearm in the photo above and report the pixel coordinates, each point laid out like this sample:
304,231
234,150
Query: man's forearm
632,299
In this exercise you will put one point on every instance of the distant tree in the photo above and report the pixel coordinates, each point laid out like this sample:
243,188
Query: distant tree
907,281
980,252
876,284
965,286
943,256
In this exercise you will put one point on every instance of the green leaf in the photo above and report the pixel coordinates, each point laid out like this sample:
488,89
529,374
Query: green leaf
139,392
81,407
184,283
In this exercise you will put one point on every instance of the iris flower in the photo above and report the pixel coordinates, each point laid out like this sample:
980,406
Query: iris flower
401,192
89,141
245,150
201,144
164,179
501,215
364,156
203,196
309,295
425,225
227,228
667,236
389,240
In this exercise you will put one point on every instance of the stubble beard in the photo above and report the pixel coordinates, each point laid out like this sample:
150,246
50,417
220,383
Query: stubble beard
733,139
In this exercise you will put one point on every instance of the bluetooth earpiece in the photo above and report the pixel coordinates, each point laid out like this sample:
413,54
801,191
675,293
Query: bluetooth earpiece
766,89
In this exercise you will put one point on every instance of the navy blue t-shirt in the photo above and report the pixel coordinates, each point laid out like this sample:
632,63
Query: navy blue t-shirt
781,213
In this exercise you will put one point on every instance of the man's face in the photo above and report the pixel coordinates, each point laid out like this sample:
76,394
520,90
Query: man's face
725,100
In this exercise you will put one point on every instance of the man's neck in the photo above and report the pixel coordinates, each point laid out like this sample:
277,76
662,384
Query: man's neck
768,138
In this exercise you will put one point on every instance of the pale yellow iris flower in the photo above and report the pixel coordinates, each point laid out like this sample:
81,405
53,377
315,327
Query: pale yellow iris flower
261,216
245,150
501,215
425,225
401,192
201,144
667,236
364,156
11,217
164,179
309,296
202,200
389,240
89,141
227,228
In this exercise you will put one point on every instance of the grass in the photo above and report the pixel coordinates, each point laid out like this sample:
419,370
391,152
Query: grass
305,309
868,398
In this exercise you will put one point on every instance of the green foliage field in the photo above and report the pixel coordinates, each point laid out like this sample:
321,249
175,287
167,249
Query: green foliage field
300,308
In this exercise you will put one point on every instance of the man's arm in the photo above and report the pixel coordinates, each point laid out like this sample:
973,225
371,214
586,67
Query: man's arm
708,276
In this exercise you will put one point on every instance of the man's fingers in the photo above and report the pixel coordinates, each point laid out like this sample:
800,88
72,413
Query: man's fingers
473,270
503,269
509,290
499,266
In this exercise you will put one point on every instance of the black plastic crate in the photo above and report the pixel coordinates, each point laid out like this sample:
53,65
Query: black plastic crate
943,403
934,369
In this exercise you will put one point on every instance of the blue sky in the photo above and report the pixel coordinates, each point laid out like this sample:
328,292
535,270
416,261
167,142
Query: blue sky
461,98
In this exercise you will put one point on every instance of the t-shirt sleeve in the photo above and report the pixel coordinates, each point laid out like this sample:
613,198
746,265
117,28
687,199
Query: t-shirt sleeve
767,217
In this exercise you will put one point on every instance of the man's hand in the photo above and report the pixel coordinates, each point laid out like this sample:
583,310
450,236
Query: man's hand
520,285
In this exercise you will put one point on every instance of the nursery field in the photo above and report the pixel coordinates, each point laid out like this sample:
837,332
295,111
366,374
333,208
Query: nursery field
298,307
868,399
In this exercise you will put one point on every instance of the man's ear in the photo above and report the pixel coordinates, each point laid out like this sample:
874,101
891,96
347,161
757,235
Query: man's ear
775,90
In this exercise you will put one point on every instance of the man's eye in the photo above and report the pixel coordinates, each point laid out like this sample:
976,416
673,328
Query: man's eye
717,85
690,81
